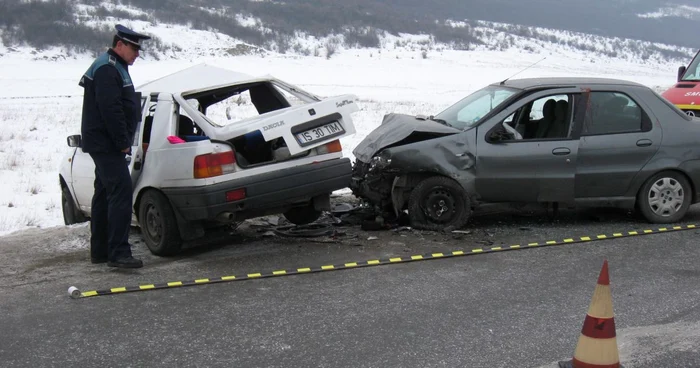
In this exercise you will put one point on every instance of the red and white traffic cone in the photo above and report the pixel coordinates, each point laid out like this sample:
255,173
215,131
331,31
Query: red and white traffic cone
597,344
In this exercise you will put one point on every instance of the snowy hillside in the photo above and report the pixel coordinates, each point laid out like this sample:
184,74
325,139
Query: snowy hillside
682,11
408,73
245,34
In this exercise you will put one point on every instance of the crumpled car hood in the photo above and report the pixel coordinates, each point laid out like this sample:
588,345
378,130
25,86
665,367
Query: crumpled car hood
394,128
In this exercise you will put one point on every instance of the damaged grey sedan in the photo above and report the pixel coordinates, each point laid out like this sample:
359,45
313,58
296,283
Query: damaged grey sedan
573,142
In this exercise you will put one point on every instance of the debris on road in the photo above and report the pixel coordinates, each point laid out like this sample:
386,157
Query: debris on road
305,231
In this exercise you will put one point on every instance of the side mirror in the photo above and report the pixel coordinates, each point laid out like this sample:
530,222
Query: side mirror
681,71
74,140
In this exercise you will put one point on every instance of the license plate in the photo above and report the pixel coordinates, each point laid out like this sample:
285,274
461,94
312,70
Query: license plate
320,133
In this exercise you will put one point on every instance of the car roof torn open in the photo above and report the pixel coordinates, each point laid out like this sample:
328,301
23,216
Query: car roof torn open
201,76
206,78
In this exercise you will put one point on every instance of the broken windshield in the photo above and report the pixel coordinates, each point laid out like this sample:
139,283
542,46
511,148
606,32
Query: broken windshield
471,109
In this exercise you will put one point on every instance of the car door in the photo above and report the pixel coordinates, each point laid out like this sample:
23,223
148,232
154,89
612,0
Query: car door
535,168
83,169
136,158
83,175
617,140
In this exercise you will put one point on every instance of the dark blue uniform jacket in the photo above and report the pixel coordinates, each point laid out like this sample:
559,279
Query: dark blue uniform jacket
111,107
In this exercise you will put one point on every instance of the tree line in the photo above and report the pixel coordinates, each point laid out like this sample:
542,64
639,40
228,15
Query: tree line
45,23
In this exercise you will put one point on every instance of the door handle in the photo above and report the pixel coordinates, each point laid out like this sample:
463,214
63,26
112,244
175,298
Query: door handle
561,151
644,142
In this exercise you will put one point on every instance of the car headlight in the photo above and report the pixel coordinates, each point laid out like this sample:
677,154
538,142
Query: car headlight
380,161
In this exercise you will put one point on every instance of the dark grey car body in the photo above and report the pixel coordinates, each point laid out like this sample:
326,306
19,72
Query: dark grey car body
607,154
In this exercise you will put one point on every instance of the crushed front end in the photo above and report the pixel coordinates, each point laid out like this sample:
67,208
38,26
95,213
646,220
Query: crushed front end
372,182
394,154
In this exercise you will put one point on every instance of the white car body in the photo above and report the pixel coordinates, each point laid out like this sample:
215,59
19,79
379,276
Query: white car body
170,168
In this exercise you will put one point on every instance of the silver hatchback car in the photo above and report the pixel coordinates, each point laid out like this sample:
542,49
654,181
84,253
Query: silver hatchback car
562,141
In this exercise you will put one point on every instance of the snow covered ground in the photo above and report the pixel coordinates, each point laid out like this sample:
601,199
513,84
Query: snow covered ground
40,101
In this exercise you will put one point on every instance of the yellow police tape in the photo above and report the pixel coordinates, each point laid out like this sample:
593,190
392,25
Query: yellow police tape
77,294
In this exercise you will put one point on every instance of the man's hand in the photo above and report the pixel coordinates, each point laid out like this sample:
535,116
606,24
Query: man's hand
127,150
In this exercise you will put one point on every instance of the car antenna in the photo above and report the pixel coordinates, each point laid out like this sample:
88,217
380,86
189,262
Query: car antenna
504,81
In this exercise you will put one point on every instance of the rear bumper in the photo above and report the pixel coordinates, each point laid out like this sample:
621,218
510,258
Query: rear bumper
277,189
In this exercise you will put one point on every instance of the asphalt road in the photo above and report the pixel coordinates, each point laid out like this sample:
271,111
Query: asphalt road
520,308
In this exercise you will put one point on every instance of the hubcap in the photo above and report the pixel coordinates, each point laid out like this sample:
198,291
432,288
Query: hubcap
154,224
666,197
439,205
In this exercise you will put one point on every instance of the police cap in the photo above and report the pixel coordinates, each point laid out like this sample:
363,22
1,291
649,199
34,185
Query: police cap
131,37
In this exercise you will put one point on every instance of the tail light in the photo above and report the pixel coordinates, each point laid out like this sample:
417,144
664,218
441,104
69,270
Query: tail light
214,164
334,146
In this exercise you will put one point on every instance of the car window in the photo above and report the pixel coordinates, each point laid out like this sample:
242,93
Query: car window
144,113
548,117
292,99
537,111
232,109
510,118
611,113
232,104
692,73
185,124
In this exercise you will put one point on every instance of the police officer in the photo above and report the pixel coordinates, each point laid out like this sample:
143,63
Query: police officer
111,111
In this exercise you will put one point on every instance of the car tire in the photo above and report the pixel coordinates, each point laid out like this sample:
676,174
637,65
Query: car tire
158,224
302,215
71,213
674,195
434,192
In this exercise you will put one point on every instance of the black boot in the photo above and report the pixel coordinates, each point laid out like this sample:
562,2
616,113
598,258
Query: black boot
126,262
97,260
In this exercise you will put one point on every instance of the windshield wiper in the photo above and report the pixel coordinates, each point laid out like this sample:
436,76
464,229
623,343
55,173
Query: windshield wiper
441,121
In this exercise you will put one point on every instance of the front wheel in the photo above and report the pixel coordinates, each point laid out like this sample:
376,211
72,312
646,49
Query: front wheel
665,197
437,203
158,224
